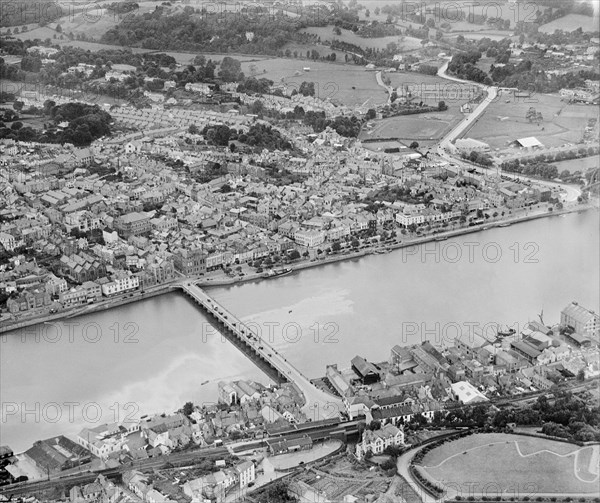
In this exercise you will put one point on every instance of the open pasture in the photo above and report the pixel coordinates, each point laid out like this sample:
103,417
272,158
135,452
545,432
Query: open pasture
582,165
571,22
349,85
404,43
432,89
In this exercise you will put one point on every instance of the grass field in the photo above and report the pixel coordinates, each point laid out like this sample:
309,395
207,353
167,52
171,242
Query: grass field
332,80
326,33
323,50
515,465
582,165
91,21
434,89
504,122
571,22
429,126
478,35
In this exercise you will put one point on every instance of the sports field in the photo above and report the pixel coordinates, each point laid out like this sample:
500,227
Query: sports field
515,465
505,121
429,126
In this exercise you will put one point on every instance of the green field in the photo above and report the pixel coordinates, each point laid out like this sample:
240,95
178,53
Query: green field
323,50
515,465
582,165
93,21
434,89
326,33
478,35
422,127
504,122
571,22
346,84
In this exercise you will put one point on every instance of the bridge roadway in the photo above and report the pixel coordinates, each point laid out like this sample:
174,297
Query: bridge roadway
319,404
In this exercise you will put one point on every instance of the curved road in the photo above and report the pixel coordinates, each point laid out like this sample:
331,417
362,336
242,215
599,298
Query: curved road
445,144
389,89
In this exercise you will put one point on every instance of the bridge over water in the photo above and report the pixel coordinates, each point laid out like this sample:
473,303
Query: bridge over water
319,404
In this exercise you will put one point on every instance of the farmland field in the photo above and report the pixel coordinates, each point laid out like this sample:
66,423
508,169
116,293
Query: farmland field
323,50
515,465
504,122
326,33
334,81
571,22
92,21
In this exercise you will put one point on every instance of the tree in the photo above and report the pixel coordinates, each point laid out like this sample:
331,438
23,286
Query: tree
337,31
371,114
277,493
375,425
336,247
58,28
231,70
193,129
442,106
18,105
188,408
414,144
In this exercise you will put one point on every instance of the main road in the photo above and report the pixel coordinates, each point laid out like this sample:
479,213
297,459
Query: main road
445,144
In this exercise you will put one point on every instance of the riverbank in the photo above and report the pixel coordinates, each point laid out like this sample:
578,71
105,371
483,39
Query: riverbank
218,282
91,308
402,244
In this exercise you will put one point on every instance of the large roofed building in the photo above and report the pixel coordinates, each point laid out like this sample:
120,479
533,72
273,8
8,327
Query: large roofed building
580,319
376,441
56,454
530,142
366,371
466,393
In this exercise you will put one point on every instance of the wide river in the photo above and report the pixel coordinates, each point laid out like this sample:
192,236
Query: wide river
155,355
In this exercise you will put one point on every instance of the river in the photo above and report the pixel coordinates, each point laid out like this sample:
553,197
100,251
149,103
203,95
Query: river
155,355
